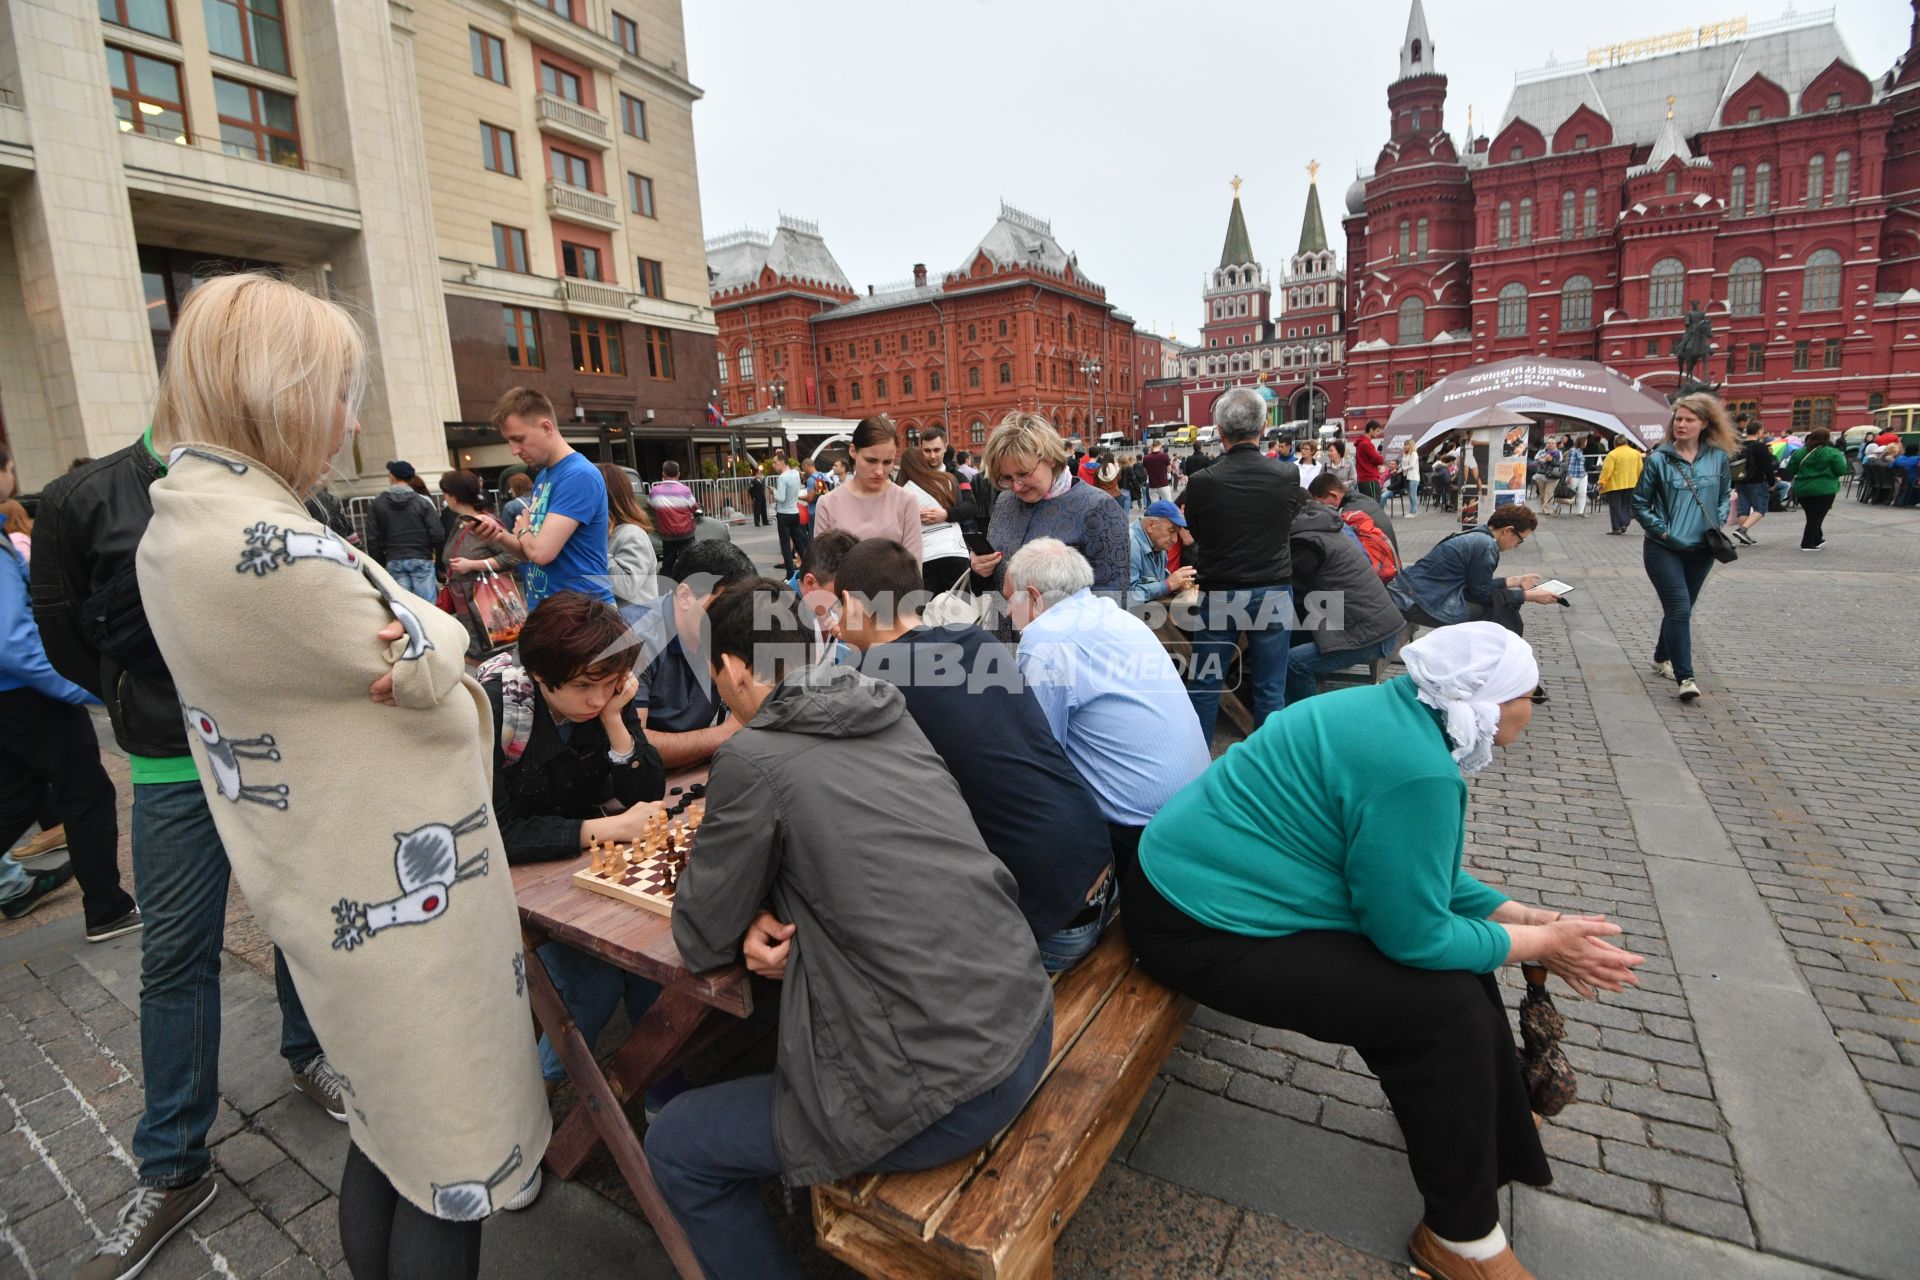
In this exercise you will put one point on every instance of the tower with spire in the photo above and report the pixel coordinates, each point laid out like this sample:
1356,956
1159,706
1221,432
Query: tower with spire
1237,300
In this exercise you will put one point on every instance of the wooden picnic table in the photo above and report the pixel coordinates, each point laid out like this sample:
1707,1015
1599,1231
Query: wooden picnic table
680,1023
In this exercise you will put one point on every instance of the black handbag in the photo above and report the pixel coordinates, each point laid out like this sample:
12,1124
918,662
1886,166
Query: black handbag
1717,543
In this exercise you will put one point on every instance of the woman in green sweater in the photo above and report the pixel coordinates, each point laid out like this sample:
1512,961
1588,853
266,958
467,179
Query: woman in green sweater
1353,921
1816,472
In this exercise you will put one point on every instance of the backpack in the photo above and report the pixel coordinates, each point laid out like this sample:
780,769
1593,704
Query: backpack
1374,542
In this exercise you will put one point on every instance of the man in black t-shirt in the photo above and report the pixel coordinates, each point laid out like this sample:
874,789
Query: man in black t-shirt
1757,469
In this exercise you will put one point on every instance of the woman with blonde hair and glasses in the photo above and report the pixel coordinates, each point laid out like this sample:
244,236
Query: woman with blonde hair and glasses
318,692
1028,462
1681,501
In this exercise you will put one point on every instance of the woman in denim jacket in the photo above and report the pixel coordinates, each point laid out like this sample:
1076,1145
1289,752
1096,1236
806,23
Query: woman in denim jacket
1683,493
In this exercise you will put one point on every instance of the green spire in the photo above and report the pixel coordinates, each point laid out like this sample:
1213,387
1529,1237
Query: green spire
1238,249
1313,230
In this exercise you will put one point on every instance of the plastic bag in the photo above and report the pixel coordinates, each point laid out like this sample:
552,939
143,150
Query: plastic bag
499,607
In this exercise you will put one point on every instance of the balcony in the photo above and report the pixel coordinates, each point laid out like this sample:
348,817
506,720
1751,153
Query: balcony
577,204
570,120
16,146
593,297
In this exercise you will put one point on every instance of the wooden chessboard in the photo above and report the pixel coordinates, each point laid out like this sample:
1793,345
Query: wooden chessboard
644,873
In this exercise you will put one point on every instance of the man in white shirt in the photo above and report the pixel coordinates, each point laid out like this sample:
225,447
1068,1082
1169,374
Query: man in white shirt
786,512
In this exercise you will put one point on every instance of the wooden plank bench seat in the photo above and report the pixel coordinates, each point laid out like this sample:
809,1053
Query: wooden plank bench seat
994,1215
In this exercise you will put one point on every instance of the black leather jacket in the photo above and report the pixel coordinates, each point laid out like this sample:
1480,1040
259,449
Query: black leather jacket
86,597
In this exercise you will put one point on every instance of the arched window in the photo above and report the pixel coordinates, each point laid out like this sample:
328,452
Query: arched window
1526,221
1590,212
1405,239
1744,280
1762,187
1420,245
1511,320
1820,288
1816,181
1666,283
973,377
1842,176
1504,231
723,366
1006,373
1576,303
1737,191
746,364
1216,308
1413,322
1566,213
1673,181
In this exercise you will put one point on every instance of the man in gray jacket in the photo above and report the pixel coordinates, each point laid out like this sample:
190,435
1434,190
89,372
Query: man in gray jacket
1334,583
915,1019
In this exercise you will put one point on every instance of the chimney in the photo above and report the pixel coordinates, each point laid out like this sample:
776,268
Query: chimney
919,275
869,291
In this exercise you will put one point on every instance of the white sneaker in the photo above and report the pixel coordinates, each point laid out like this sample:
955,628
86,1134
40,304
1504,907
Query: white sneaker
527,1194
1689,691
1664,668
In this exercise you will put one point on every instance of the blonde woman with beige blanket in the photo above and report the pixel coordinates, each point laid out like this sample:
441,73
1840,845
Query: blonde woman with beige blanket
361,833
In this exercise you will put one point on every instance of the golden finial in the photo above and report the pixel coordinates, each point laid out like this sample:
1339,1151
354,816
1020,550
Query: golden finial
1669,106
1235,184
1313,171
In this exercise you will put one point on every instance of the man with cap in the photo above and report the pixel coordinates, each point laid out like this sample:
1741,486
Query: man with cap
404,533
1147,576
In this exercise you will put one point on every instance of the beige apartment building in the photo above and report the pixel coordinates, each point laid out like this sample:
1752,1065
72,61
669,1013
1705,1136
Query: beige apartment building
456,172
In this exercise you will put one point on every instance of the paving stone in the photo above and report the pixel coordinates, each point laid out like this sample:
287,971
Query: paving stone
251,1244
1671,1169
1608,1190
246,1156
1570,1145
284,1191
1258,1091
52,1231
1605,1122
1372,1124
1714,1218
1361,1091
1201,1073
27,1190
1247,1057
104,1180
1133,1225
1663,1106
317,1232
1690,1141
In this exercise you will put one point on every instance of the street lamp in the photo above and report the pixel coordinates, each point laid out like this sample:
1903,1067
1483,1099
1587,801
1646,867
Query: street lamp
1091,368
1314,352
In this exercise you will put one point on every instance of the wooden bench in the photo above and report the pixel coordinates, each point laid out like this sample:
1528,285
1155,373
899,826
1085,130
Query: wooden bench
994,1215
1374,672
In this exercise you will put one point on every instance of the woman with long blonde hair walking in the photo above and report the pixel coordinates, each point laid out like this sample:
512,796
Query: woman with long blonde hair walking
1681,502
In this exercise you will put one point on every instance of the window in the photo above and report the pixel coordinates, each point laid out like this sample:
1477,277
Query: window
979,431
1526,221
1823,411
561,83
1816,181
973,377
633,116
933,379
1820,289
1653,346
1400,386
1590,212
255,123
1833,102
1566,214
1006,373
1802,414
1737,191
906,384
1406,243
880,387
1673,181
523,337
1665,284
1003,327
721,360
1579,142
833,393
973,333
596,346
1419,384
570,169
1576,303
1756,358
250,31
146,95
649,276
496,150
509,248
562,7
1744,281
1801,353
1516,152
640,195
155,17
1762,187
853,391
1413,322
1876,402
1511,318
1830,355
489,55
581,261
1416,119
1842,176
933,338
745,359
626,34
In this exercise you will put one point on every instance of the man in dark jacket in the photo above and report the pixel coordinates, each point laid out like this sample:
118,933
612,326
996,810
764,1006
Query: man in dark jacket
915,1019
963,689
404,533
966,509
1239,510
1758,469
1344,607
87,600
1353,500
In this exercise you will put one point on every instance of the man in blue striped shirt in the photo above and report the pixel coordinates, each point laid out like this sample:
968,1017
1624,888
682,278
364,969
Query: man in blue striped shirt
1110,693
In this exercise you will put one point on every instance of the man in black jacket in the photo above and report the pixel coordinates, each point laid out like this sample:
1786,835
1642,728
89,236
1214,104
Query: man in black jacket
1758,469
87,601
1239,510
967,508
404,533
1345,610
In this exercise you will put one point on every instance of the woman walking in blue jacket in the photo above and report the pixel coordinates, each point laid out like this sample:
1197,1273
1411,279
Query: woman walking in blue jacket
1682,494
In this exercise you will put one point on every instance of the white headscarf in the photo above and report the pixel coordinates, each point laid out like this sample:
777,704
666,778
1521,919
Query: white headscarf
1465,672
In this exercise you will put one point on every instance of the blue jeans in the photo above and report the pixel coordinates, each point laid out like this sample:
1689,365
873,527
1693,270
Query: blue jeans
710,1148
416,576
1677,577
590,988
14,879
1306,664
1265,614
1059,952
180,870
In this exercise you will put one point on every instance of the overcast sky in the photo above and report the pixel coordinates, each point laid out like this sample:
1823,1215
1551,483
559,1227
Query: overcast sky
899,127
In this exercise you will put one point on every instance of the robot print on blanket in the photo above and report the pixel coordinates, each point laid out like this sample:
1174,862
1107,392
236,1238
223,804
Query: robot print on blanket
269,546
225,754
471,1201
427,863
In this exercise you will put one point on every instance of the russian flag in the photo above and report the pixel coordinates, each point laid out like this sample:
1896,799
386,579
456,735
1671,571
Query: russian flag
715,417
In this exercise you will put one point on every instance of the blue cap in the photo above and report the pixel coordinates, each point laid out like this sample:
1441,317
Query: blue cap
1164,510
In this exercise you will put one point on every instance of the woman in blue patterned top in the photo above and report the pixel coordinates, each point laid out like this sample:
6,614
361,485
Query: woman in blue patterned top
1027,460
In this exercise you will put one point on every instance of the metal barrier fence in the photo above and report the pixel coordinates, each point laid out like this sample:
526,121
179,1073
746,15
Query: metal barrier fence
723,499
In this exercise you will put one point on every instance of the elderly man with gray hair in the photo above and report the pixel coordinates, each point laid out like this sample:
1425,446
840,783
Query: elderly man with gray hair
1110,693
1239,511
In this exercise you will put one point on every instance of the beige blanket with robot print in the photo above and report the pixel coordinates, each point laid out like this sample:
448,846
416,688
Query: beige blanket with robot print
361,834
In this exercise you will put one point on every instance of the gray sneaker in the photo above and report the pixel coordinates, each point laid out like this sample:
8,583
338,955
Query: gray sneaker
147,1221
116,927
40,887
319,1081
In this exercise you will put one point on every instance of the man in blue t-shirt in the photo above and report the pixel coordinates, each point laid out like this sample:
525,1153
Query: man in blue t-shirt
562,535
